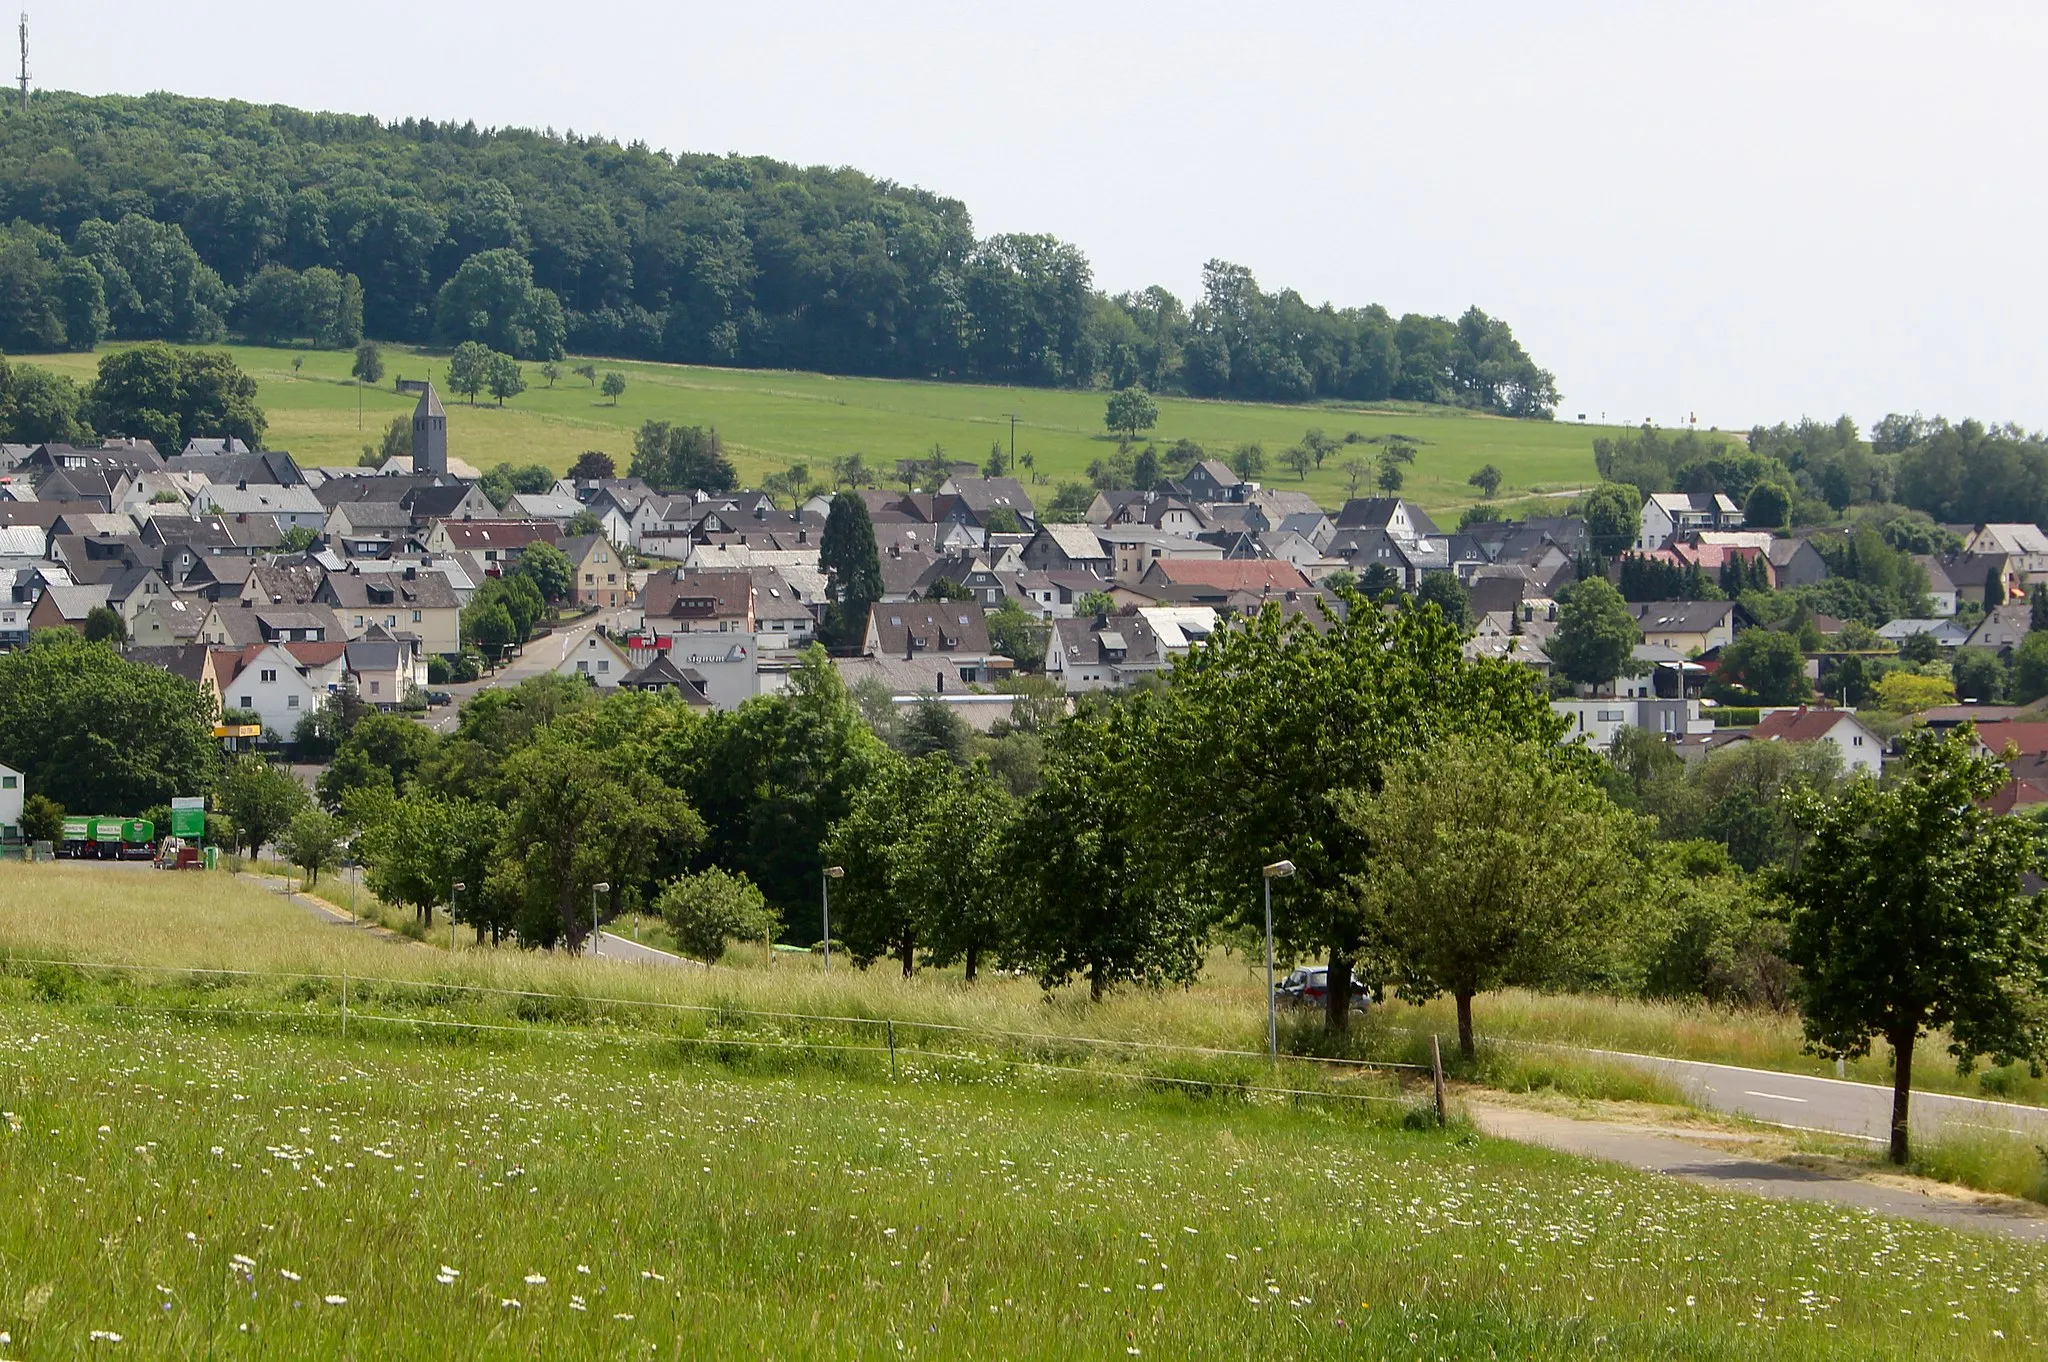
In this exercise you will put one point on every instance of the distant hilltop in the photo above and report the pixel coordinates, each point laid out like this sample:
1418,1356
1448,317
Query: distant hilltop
166,217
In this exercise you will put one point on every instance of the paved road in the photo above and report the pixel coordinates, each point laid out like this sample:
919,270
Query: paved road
541,655
620,948
1860,1110
1658,1153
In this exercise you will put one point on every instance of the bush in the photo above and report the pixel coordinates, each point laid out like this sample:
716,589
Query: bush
438,671
1737,716
707,910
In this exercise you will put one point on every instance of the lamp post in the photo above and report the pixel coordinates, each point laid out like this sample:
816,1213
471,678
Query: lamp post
1279,870
825,878
459,887
601,887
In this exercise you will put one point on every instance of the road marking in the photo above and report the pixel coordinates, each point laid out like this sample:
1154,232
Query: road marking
1774,1096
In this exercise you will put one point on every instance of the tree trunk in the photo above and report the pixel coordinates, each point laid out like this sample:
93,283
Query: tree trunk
973,962
1902,1092
1337,1003
1097,985
908,950
1465,1046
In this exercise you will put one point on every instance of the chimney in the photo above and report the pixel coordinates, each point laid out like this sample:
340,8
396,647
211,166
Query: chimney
942,683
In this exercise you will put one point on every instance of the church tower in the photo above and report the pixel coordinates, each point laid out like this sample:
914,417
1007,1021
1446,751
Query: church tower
429,434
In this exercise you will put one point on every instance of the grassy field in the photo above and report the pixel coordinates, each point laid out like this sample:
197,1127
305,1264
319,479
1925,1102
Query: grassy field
771,420
234,1180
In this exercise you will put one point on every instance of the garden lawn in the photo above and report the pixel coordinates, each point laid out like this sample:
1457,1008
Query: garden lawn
176,1189
771,419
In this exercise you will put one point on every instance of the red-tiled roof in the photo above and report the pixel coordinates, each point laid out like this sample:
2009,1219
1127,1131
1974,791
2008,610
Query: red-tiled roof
1238,575
2030,738
1799,725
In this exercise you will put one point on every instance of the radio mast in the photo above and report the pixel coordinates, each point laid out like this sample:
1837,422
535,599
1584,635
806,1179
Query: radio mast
24,61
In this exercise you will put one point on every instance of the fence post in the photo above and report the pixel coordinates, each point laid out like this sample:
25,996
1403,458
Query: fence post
1436,1070
344,1004
892,1049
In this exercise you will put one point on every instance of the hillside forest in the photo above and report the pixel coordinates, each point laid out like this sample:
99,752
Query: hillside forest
162,217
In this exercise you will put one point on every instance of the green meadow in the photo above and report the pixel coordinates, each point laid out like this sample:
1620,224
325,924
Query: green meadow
609,1160
771,419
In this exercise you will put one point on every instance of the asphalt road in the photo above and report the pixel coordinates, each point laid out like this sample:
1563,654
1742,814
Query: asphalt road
1859,1110
612,947
540,656
1678,1154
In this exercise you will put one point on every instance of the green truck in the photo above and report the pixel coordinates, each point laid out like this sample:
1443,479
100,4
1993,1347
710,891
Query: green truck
99,837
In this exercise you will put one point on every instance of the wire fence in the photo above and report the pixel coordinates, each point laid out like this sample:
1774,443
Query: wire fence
344,1016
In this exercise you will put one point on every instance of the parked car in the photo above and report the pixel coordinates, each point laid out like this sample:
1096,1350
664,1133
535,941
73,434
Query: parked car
440,697
1311,988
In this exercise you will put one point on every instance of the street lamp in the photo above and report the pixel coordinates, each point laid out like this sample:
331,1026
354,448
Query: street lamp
601,887
459,887
825,878
1279,870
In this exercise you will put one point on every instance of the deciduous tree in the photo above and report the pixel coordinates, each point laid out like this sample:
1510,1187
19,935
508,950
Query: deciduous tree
1596,635
1492,862
1908,918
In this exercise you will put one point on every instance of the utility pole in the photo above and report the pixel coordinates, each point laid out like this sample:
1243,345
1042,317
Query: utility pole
1012,415
24,61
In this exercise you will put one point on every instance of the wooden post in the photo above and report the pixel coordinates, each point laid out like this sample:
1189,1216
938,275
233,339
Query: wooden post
344,1005
1436,1070
892,1050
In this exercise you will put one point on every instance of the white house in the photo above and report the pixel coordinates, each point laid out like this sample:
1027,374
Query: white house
12,790
729,664
1862,750
1595,722
291,507
1673,515
275,686
599,660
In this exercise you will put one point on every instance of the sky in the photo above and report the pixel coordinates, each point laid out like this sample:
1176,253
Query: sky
1731,213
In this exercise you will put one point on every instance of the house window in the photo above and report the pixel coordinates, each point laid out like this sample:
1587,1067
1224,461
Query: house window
583,667
8,782
376,686
1855,742
269,676
248,703
603,666
359,621
291,702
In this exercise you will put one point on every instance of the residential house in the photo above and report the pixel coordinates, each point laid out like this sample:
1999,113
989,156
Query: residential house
782,618
2013,539
1401,519
1796,562
1104,652
1946,632
499,543
986,497
1941,588
1596,722
1688,628
1212,480
385,668
66,607
1195,582
2003,628
558,506
600,660
682,602
599,577
274,685
663,677
291,508
1862,751
421,605
950,637
1134,549
169,620
13,792
1673,515
1067,548
725,667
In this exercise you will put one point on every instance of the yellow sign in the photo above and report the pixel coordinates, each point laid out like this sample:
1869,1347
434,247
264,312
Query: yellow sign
238,730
